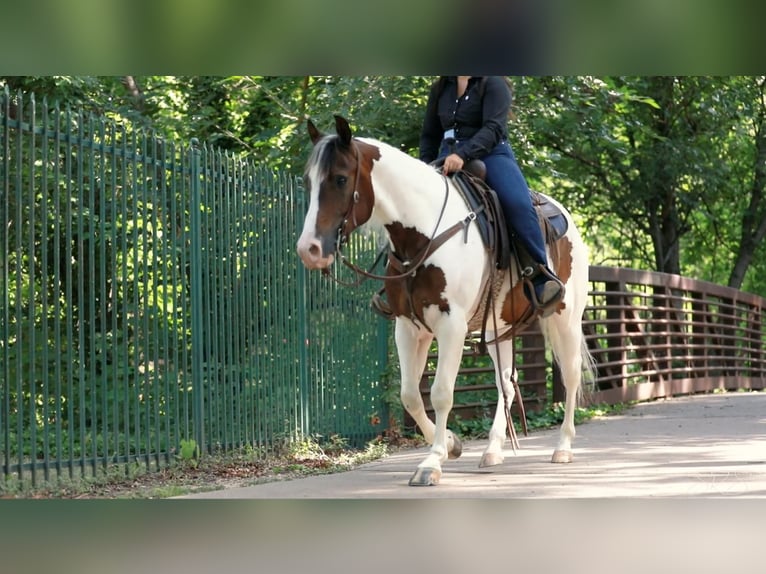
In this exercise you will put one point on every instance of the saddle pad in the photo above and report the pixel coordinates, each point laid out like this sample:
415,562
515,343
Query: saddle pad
491,221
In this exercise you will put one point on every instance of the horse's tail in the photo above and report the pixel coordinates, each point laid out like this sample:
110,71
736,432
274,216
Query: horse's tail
562,344
589,371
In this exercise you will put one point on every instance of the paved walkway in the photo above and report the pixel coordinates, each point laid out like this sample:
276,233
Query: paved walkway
697,446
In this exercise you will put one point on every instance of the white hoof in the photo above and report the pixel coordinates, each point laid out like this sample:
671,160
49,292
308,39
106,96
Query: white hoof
491,459
426,477
561,456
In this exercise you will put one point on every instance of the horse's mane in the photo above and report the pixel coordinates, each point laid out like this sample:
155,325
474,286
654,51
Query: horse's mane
322,155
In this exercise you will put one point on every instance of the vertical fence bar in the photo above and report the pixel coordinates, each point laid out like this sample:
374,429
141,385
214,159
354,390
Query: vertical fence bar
176,295
167,307
226,381
144,259
90,281
250,342
302,305
128,187
32,293
111,394
197,327
44,291
81,295
20,335
209,290
57,218
5,193
236,191
68,290
154,369
103,270
135,304
184,193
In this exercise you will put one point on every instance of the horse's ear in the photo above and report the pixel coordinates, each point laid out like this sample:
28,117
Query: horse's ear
314,133
343,129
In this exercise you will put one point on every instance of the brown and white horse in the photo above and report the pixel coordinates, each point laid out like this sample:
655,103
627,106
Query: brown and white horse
355,181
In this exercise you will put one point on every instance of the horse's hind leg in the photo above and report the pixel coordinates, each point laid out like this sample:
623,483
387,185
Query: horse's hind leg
566,340
493,454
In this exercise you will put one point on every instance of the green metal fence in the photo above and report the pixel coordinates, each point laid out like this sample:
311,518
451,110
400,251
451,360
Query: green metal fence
150,294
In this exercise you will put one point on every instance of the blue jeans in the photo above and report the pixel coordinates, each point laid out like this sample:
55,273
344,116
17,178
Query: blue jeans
505,177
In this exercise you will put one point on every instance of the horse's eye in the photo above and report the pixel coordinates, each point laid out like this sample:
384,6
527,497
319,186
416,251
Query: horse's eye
341,180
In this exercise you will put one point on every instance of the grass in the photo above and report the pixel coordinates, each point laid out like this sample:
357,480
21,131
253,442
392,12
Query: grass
194,473
551,416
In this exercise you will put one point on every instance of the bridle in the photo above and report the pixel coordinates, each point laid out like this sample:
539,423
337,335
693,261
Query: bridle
409,268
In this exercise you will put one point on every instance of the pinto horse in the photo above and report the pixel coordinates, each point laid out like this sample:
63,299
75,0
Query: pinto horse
355,181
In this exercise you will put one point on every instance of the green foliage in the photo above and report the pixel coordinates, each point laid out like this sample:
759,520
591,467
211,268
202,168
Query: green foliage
551,416
660,171
189,450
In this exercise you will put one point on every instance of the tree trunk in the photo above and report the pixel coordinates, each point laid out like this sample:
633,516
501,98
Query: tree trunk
661,183
754,217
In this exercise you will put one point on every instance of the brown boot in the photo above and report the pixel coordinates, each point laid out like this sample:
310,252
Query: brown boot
381,306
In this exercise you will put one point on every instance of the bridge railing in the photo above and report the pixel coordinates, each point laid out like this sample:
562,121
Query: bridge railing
655,334
651,334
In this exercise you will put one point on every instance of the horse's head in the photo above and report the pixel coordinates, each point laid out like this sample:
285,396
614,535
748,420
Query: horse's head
337,178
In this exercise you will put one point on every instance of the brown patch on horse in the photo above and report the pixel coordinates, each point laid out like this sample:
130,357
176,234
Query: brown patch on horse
409,296
515,305
368,155
562,259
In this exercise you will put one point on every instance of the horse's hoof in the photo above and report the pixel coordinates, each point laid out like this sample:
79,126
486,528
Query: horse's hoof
562,456
457,448
426,477
491,459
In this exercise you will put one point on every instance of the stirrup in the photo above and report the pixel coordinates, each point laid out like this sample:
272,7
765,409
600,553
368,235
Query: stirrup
552,292
381,306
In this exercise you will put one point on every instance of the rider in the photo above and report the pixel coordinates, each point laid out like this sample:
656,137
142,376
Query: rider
466,118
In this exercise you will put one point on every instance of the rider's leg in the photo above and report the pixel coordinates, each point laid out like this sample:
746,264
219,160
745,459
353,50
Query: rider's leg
505,177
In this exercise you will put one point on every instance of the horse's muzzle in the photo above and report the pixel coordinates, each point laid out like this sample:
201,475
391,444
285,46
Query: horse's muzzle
311,253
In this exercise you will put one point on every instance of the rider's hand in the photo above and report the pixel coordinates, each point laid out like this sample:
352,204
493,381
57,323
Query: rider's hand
452,163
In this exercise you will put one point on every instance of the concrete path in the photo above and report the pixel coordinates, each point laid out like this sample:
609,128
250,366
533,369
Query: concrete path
697,446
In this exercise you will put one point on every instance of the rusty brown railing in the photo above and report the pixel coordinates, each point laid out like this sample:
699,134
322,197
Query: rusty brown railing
651,334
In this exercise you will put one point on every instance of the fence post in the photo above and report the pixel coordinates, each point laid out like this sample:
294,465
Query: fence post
197,378
298,200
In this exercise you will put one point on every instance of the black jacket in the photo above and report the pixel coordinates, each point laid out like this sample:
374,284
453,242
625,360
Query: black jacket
480,121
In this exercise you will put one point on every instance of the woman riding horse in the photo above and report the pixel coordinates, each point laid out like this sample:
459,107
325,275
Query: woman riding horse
466,118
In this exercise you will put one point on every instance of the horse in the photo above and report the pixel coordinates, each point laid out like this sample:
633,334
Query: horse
357,181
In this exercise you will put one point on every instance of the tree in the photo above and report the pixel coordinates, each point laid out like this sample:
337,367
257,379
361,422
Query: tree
652,164
754,216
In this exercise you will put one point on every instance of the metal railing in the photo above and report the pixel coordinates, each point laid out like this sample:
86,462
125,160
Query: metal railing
655,334
651,334
151,299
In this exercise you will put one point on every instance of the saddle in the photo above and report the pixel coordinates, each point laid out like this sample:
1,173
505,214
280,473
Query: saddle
490,219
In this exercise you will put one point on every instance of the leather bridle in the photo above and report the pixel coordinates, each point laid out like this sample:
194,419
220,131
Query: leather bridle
409,267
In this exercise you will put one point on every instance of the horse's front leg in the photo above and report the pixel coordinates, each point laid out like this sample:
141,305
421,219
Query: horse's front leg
412,345
445,443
